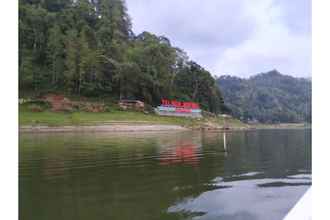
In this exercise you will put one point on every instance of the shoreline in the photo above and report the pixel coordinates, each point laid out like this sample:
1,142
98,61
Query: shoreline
133,127
101,128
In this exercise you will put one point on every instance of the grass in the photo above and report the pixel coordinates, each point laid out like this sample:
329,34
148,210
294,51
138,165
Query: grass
82,118
27,117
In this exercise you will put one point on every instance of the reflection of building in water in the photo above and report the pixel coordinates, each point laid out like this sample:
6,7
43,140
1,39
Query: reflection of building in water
181,151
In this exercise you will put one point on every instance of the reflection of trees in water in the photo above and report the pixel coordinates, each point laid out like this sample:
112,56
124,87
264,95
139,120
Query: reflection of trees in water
276,153
87,176
109,178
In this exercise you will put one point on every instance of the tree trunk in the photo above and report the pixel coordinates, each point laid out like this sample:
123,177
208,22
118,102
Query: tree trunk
195,90
54,72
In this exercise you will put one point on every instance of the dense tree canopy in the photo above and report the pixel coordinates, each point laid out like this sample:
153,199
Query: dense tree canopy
87,48
268,97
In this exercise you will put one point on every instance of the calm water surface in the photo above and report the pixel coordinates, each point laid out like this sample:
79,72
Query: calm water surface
184,175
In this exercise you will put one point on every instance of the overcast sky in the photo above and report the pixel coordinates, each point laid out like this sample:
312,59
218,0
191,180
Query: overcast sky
236,37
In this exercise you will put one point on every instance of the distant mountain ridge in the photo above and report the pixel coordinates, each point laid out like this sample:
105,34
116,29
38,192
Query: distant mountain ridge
269,97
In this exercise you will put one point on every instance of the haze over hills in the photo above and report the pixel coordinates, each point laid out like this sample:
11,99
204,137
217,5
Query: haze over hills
268,97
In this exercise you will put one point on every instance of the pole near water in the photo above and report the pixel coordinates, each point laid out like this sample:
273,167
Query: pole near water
225,144
225,122
224,141
225,127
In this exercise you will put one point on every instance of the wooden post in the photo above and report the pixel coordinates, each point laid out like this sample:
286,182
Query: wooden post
225,126
225,143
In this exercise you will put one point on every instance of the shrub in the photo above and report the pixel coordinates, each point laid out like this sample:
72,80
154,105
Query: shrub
107,108
44,105
35,108
149,108
35,105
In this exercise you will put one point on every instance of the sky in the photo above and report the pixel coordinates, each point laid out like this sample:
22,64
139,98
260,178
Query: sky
233,37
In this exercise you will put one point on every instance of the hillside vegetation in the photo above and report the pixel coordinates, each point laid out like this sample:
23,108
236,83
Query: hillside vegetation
268,97
87,48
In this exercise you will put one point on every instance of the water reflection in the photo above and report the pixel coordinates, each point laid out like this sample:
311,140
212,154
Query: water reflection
240,175
184,152
245,199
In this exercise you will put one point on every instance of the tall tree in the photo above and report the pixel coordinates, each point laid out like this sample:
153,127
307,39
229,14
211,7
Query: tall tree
71,75
87,48
56,53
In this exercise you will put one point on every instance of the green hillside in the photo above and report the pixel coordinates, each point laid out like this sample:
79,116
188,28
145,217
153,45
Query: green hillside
268,97
87,48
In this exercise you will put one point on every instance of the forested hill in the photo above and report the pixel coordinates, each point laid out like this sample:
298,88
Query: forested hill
88,48
268,97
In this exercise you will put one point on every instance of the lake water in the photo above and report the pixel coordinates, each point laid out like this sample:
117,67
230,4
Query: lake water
178,175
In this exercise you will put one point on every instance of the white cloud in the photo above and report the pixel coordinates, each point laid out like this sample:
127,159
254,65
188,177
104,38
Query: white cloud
271,46
238,37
